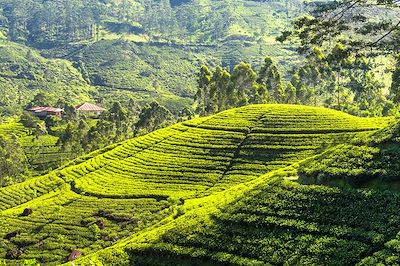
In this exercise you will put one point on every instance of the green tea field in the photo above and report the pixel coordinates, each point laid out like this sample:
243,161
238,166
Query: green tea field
42,152
169,194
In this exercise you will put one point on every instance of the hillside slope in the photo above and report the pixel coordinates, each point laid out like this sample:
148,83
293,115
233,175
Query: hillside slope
24,73
42,152
145,50
274,221
369,162
113,193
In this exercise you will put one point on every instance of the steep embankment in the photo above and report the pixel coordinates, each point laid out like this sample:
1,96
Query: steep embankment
108,195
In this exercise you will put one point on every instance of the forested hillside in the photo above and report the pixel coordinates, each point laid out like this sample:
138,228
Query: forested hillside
198,21
126,48
24,73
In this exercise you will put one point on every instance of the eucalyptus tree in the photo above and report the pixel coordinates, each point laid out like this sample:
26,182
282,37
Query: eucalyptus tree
270,76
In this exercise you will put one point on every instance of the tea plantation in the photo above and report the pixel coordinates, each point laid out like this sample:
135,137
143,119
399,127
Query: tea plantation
207,191
42,152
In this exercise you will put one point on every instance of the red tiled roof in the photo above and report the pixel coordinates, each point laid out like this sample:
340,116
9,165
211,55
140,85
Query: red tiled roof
39,109
89,107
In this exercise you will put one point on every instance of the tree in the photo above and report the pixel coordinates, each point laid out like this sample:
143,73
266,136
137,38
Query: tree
117,114
221,95
52,121
70,140
120,119
13,161
271,78
291,93
99,135
185,114
41,99
352,34
30,121
303,93
351,22
244,84
395,87
152,117
202,96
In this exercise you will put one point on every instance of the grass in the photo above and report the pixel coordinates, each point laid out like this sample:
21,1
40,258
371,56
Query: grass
142,186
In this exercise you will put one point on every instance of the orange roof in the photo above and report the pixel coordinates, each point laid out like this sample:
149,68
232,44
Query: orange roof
89,107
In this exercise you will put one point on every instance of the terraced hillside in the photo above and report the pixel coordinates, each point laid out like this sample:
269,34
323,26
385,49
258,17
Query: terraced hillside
371,162
275,221
42,151
104,197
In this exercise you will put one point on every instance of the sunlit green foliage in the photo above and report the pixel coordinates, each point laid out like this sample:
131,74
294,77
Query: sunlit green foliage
281,222
24,73
101,198
367,160
41,151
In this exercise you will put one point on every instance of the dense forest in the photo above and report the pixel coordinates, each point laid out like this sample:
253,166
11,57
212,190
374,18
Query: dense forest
47,23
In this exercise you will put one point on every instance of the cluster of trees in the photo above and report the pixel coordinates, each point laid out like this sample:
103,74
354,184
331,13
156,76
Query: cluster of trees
339,80
342,42
343,80
81,135
220,90
335,77
39,22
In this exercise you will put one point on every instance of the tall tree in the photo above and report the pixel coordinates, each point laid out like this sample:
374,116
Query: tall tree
152,117
202,97
351,22
270,76
244,84
395,87
13,161
221,91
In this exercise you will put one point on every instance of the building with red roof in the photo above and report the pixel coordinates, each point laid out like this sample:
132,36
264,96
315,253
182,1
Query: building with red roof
44,111
89,109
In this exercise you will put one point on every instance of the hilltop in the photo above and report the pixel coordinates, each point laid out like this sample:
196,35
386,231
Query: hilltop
145,183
